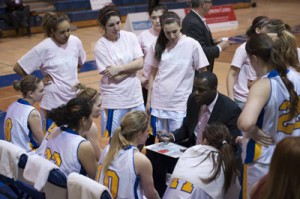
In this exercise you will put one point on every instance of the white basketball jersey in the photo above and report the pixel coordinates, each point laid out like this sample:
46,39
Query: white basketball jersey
193,166
62,149
16,126
121,178
181,189
274,118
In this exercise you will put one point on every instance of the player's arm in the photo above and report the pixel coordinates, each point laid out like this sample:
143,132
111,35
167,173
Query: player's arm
144,170
19,70
150,85
35,125
86,156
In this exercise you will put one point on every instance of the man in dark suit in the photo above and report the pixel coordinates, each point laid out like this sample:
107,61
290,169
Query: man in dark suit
194,25
221,110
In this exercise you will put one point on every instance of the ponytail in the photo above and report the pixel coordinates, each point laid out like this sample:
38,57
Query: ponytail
275,54
117,143
229,164
132,124
28,83
284,53
218,136
70,114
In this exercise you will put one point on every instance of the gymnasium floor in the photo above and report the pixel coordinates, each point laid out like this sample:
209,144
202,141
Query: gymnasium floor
12,48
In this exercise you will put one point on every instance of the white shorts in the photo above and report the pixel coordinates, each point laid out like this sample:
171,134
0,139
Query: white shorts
168,125
113,118
251,174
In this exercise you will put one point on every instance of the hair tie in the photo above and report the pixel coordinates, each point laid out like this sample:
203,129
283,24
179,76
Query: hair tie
224,142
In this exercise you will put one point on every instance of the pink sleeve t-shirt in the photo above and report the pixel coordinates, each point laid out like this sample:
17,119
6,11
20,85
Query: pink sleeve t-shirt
174,79
147,39
240,60
61,63
127,93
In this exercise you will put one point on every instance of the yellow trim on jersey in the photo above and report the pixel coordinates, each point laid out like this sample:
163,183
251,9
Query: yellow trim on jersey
257,151
245,182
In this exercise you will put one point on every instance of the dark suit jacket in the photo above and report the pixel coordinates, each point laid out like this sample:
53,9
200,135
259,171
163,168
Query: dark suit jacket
194,27
225,111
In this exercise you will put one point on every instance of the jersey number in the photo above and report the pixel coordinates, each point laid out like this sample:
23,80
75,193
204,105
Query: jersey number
54,157
186,187
8,127
283,121
111,180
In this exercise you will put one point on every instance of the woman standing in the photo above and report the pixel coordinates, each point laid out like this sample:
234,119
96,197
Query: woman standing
173,62
118,57
59,57
22,123
272,109
241,70
147,38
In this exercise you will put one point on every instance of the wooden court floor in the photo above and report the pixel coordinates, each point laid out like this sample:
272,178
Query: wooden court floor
12,48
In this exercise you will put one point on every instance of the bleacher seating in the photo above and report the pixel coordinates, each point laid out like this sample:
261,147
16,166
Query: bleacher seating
74,5
80,10
34,20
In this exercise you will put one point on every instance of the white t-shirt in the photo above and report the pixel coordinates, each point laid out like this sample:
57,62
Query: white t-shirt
174,79
240,60
146,39
61,63
127,93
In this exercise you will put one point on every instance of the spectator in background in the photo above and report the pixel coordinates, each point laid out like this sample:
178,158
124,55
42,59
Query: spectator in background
22,123
18,15
118,57
59,57
194,25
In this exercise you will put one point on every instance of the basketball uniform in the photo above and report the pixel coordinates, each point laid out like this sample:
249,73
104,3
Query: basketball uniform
273,120
193,166
121,178
62,149
16,126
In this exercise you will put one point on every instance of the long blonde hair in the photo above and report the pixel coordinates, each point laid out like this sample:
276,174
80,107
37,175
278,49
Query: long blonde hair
132,124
